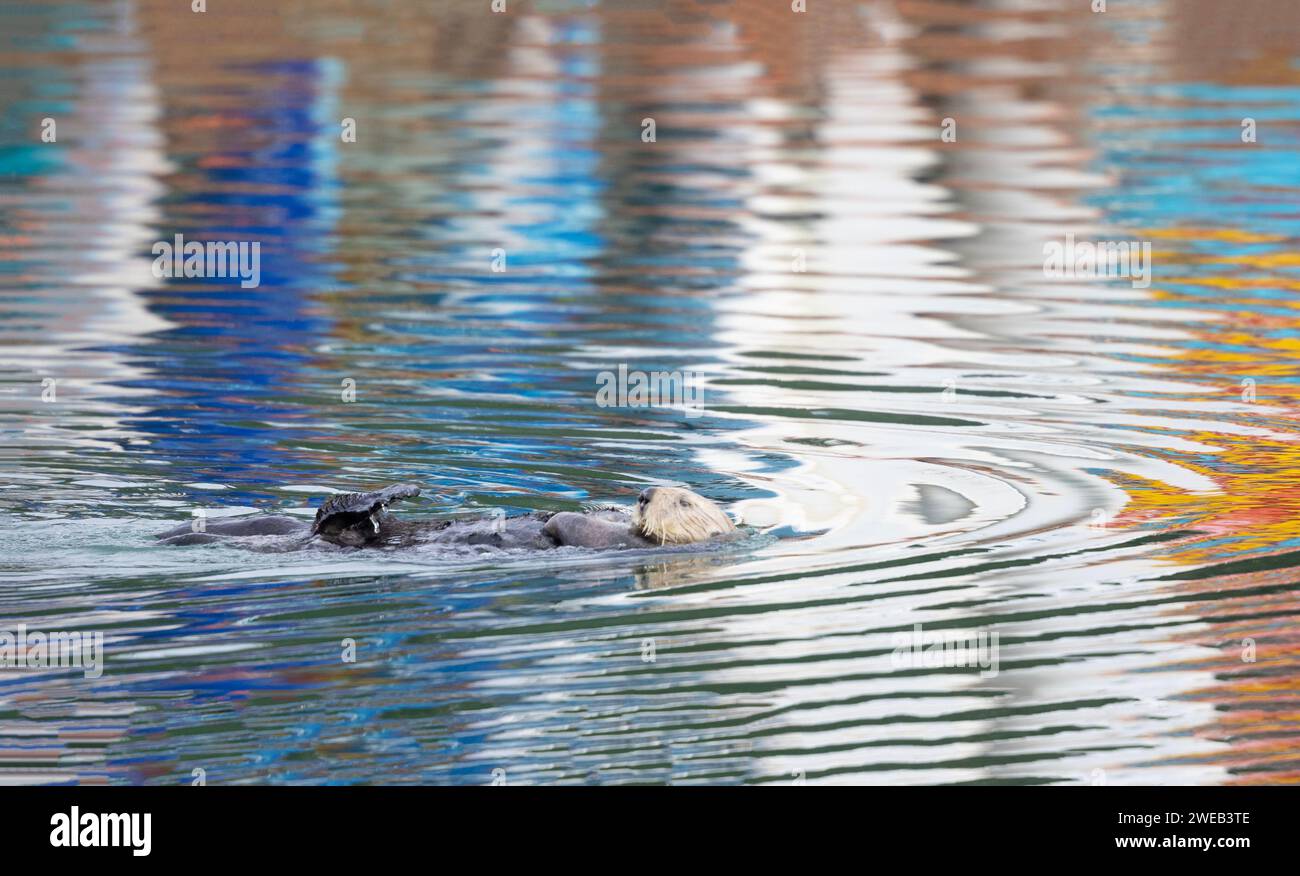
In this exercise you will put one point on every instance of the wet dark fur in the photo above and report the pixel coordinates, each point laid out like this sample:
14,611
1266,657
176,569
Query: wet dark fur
362,520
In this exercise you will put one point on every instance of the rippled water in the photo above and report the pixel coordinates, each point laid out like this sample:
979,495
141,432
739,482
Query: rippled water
917,425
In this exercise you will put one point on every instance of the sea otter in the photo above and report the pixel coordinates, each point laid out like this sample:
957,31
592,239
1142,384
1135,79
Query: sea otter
663,516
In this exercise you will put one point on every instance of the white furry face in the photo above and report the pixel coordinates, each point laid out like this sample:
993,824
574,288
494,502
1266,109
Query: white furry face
671,515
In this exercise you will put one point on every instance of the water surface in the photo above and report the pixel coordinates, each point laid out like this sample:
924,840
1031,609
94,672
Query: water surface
917,425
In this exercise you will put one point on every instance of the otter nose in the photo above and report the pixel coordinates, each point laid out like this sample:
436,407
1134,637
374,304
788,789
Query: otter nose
646,495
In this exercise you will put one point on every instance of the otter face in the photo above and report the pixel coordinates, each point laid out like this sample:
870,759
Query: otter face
672,515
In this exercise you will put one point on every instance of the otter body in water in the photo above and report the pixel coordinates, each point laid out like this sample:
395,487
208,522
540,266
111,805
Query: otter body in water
663,516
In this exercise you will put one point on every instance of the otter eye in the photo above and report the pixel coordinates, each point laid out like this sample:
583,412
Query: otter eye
683,503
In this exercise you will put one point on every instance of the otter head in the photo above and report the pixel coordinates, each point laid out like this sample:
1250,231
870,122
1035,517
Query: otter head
672,515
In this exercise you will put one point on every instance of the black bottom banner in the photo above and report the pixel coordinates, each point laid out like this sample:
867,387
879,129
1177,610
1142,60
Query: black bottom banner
360,824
